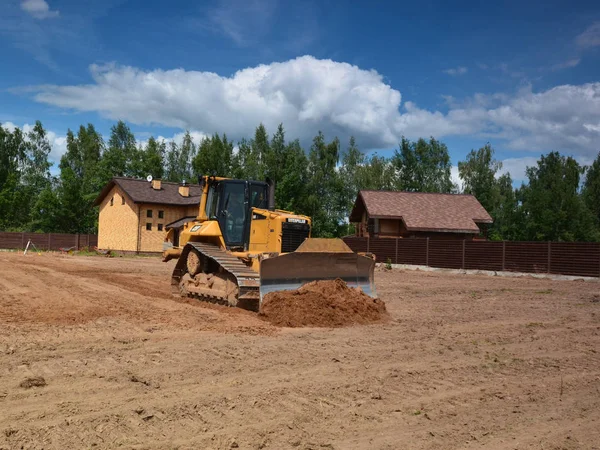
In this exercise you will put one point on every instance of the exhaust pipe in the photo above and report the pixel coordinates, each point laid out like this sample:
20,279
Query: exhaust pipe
271,204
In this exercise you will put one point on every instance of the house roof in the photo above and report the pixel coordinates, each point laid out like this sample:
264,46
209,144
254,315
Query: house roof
141,191
180,222
456,213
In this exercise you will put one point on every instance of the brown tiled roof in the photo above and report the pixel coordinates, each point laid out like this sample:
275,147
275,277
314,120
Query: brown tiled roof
423,211
141,191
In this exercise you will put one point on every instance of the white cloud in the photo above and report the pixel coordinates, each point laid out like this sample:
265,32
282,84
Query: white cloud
307,94
566,64
456,71
38,9
196,136
243,20
456,178
590,37
516,167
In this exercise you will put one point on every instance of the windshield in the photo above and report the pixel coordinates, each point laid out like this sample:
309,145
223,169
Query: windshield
211,202
234,212
258,196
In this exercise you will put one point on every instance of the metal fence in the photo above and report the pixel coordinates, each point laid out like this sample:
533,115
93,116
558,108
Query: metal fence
47,241
564,258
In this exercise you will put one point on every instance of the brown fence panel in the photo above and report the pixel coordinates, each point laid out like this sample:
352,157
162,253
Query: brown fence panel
47,241
357,244
412,251
575,258
445,253
40,240
62,240
11,240
531,257
483,255
384,249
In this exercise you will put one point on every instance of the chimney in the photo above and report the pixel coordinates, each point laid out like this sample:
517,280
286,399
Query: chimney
184,190
156,184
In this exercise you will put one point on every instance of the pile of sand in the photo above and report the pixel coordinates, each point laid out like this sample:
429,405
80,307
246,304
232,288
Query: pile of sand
322,304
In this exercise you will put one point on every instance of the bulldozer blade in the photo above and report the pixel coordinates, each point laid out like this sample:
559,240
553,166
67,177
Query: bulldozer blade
292,270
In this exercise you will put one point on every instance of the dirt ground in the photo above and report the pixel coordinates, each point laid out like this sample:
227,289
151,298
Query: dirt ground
95,353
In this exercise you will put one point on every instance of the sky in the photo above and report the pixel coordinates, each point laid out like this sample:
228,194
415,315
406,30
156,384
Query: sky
523,76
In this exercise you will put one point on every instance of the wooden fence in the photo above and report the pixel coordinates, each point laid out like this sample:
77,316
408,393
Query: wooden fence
565,258
47,241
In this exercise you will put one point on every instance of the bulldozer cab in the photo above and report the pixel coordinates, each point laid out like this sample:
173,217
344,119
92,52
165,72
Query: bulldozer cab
230,203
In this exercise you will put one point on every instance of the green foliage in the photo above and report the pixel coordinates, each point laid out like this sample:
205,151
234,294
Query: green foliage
478,174
423,166
591,189
551,202
322,183
215,157
120,158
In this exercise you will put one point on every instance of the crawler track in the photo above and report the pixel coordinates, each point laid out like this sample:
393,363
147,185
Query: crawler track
248,281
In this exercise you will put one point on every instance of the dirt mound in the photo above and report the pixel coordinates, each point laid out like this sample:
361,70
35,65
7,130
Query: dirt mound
322,304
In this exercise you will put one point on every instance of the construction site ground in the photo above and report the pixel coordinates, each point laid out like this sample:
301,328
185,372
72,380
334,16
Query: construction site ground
95,353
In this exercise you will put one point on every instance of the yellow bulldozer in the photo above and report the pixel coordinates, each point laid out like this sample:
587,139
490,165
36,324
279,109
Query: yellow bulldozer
239,248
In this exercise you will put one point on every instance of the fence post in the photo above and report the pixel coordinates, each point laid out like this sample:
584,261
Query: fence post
49,241
503,255
77,241
549,255
463,255
23,240
396,261
427,253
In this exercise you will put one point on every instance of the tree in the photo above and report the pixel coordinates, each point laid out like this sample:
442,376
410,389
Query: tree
120,157
591,189
12,159
81,179
423,166
325,199
151,159
478,174
290,191
214,157
553,208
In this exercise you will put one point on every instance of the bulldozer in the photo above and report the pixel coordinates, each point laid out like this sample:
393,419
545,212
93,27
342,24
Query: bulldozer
239,248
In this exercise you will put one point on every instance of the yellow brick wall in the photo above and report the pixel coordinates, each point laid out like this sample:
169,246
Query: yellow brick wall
152,241
117,224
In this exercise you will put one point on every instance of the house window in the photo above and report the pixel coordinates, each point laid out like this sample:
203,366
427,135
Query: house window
122,200
112,200
149,213
161,214
148,227
160,227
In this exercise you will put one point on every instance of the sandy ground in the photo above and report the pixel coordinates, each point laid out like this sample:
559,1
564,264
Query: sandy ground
466,362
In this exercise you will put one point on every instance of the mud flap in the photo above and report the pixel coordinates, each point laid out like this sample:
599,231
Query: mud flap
292,270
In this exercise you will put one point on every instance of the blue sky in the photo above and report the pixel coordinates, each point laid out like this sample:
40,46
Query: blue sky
521,75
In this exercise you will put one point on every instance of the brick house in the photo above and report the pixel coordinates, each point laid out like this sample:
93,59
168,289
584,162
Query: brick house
417,214
135,214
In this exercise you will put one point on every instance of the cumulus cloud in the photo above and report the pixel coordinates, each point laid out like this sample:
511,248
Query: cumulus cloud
456,71
307,94
590,37
38,9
